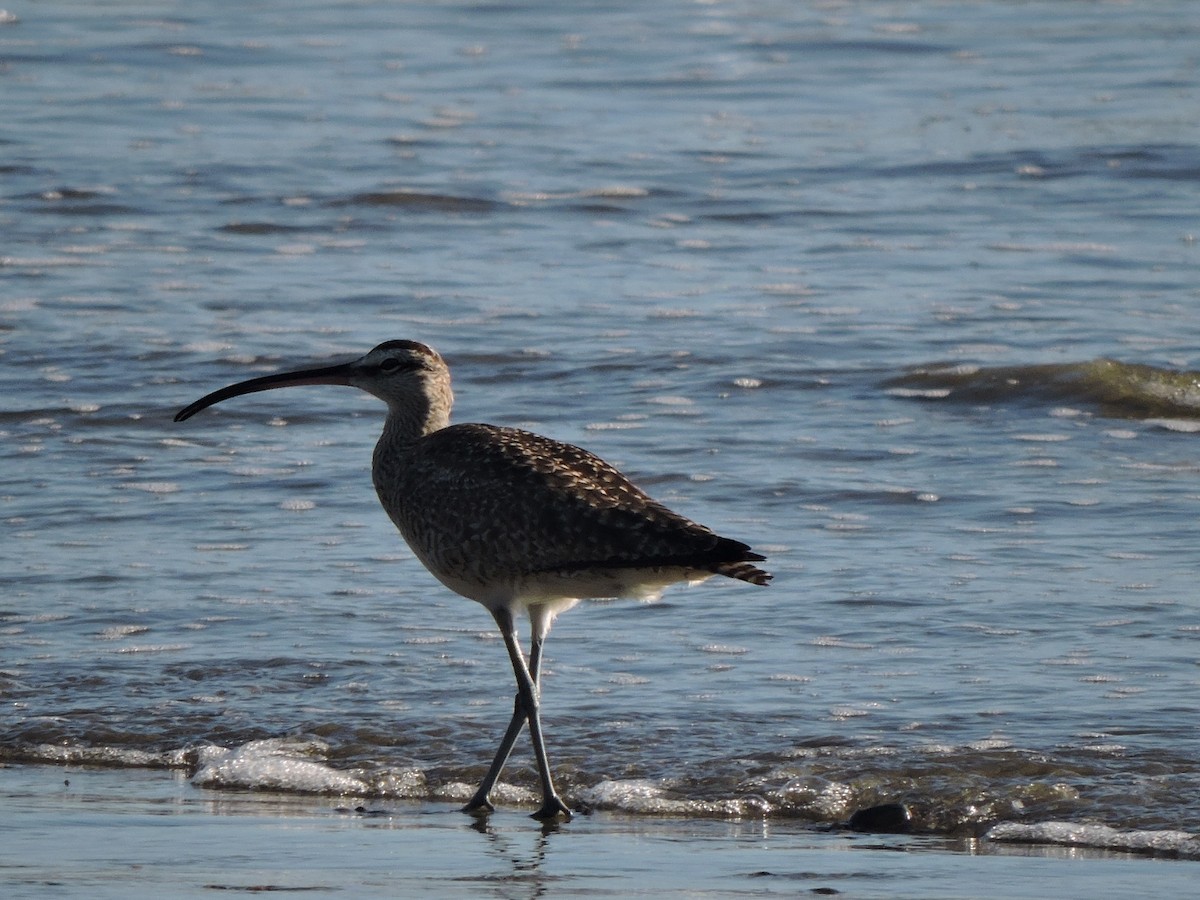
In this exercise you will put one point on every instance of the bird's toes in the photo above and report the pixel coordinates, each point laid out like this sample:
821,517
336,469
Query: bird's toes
553,809
479,807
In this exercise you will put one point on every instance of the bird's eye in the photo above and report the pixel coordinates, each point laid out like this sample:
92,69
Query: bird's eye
389,365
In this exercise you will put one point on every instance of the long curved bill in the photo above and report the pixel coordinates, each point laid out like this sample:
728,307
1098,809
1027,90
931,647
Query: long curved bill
339,374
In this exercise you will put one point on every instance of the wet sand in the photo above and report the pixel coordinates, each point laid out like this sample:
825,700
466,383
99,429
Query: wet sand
98,833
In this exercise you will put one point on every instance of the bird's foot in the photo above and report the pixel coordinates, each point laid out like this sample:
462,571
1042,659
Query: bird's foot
479,806
553,809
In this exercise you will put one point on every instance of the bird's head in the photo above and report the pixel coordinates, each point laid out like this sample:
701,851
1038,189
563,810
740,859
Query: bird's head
411,378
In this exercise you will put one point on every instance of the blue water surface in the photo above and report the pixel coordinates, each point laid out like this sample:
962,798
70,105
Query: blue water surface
697,238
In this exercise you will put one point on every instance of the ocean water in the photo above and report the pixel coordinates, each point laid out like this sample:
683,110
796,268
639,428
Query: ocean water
903,294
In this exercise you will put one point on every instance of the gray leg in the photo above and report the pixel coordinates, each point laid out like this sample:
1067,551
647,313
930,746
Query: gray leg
480,802
527,698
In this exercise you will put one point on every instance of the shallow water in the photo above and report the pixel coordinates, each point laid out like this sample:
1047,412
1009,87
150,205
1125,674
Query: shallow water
58,827
711,242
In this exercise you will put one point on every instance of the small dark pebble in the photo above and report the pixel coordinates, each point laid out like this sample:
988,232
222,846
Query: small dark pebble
360,811
887,818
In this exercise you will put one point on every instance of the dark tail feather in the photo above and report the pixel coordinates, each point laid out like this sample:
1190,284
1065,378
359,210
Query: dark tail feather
738,557
744,571
727,557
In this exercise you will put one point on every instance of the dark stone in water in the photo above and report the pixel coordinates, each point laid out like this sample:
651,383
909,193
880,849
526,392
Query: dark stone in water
887,818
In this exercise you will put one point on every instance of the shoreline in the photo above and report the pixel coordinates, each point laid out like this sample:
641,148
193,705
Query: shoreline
125,833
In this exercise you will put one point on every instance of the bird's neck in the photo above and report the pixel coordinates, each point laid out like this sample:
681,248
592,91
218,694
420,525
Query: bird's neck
407,424
408,421
402,430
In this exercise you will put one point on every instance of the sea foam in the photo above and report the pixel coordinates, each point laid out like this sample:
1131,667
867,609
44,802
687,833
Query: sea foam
273,765
1174,844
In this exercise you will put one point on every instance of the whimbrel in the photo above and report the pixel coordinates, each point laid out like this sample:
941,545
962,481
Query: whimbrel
516,521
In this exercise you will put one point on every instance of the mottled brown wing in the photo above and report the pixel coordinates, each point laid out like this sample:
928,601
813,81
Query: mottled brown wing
519,503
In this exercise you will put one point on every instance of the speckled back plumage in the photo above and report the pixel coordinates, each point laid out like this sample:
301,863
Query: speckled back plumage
496,503
486,507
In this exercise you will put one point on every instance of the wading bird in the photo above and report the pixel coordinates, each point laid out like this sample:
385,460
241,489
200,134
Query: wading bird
516,521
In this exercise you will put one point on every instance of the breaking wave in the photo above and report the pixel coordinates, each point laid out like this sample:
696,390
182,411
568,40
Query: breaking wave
997,794
1118,389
